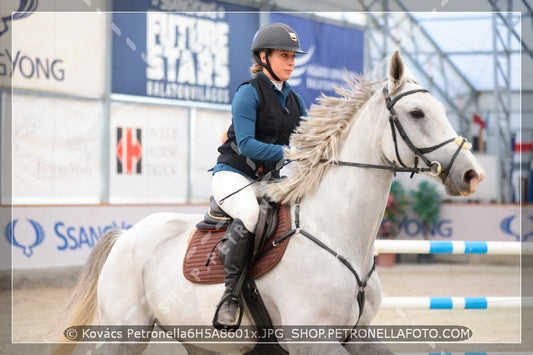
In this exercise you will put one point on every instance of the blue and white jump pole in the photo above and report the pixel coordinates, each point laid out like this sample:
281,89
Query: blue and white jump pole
452,247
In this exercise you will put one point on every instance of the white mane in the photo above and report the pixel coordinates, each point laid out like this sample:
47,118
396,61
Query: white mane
318,138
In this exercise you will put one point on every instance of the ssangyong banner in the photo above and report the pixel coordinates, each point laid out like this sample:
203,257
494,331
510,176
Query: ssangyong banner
58,52
56,236
47,236
332,52
193,56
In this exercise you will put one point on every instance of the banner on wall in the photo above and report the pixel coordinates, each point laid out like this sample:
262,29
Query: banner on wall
53,51
56,236
148,153
56,150
204,56
194,56
5,152
209,132
483,222
51,236
332,51
7,18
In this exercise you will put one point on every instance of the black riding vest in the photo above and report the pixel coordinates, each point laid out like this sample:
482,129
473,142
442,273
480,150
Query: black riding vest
274,124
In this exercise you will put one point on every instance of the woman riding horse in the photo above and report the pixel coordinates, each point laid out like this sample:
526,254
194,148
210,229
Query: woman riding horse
265,113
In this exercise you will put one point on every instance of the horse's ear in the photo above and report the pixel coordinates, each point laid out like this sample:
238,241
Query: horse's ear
396,71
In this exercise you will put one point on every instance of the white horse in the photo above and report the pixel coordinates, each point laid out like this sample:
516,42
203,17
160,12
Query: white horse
344,159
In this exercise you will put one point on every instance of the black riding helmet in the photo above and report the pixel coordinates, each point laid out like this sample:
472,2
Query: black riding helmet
274,36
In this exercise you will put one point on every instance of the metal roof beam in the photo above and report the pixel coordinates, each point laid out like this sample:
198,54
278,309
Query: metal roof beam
525,47
440,84
465,81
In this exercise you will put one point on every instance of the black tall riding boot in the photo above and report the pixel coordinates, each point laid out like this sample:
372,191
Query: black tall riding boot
238,250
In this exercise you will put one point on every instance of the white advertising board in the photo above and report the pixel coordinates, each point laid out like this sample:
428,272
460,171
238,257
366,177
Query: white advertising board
56,150
52,236
59,52
57,236
148,154
472,221
5,150
209,129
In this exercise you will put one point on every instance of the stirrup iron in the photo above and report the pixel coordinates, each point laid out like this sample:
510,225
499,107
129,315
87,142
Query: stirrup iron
229,298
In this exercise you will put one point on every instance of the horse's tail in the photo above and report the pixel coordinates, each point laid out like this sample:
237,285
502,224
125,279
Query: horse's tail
81,309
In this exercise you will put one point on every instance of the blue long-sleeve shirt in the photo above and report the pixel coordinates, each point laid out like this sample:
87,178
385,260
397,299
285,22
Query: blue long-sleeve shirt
244,110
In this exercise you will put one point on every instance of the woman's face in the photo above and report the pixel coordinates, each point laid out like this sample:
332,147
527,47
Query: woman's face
281,62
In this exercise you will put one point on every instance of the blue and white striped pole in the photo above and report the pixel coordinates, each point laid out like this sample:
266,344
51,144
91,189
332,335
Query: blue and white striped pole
452,247
455,302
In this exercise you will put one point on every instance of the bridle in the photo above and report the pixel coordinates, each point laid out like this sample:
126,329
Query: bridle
434,168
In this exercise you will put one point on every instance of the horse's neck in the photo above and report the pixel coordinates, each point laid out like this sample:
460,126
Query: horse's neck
348,206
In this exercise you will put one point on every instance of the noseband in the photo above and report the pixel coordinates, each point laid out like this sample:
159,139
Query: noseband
434,168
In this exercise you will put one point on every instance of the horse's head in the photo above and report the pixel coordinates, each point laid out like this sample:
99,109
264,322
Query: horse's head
422,136
353,130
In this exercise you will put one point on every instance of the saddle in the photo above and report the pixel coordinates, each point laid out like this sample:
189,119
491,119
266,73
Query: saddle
202,264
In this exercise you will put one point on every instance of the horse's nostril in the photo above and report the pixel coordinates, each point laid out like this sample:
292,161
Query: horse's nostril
470,175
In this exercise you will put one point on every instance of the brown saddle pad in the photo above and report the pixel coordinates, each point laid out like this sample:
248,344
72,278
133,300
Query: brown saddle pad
202,242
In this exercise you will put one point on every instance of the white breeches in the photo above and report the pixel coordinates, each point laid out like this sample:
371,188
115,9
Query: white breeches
242,205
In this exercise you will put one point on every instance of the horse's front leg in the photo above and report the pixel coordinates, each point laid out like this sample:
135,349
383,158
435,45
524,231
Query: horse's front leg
374,294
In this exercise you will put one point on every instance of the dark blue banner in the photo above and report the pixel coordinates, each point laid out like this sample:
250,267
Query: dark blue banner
196,56
331,51
204,56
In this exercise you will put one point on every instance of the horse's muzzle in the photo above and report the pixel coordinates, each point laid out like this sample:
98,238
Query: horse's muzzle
463,183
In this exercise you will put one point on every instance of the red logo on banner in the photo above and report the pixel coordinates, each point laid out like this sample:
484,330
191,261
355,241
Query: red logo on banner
129,151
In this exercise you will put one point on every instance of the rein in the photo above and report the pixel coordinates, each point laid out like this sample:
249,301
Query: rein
434,168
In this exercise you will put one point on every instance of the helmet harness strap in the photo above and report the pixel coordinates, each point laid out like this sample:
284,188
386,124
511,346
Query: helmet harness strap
266,65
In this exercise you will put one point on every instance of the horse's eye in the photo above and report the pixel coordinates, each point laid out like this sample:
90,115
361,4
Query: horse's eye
417,114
